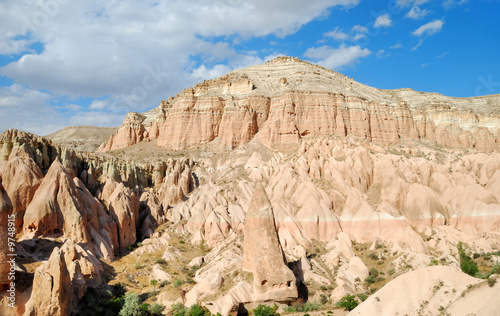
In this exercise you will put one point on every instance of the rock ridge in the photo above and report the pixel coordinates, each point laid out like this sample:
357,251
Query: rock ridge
286,100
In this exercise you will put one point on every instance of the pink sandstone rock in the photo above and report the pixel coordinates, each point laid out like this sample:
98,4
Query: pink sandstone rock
262,253
52,293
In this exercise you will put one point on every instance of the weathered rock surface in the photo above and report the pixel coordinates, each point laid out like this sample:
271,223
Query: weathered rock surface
424,291
262,253
52,293
284,100
5,209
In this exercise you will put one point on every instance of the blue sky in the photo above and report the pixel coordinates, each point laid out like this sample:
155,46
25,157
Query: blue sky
68,62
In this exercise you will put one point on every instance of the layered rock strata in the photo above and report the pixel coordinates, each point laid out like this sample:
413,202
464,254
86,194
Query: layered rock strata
286,100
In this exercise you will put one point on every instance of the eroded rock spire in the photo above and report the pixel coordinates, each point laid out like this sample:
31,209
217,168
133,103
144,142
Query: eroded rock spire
262,253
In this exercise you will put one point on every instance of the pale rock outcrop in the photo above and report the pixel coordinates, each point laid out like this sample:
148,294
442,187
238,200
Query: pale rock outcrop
262,253
229,303
423,291
210,284
56,208
52,293
158,274
82,265
124,208
480,301
131,132
5,210
198,261
286,100
64,206
21,178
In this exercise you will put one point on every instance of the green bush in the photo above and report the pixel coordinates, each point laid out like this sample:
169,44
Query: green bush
491,282
467,264
132,306
323,299
362,297
155,309
264,310
370,279
348,302
302,307
164,283
178,282
161,261
373,272
198,310
178,310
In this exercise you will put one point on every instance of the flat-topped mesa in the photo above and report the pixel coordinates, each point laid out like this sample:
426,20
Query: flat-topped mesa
286,99
263,255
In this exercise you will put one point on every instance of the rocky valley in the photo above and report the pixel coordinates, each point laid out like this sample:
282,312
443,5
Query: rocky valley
282,184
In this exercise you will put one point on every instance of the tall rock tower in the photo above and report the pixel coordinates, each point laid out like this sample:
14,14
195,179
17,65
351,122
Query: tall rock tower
263,255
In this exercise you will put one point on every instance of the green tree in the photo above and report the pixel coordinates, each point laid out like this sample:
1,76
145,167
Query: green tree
132,306
467,264
118,290
348,302
154,283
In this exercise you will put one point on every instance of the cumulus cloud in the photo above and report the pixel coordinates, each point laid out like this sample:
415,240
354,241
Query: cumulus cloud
131,54
429,28
383,21
417,13
336,58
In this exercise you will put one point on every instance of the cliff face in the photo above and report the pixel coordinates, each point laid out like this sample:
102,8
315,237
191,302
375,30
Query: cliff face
286,100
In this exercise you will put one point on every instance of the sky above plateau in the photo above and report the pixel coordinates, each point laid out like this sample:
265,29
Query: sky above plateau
67,62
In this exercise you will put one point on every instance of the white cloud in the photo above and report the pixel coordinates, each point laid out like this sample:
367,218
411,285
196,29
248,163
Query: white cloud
417,13
429,28
383,21
443,54
396,46
336,58
30,110
380,53
448,4
356,33
359,28
94,48
358,36
337,34
131,54
203,72
414,48
408,3
16,94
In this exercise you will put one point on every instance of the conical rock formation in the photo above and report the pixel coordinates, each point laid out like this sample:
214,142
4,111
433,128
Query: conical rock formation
262,252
